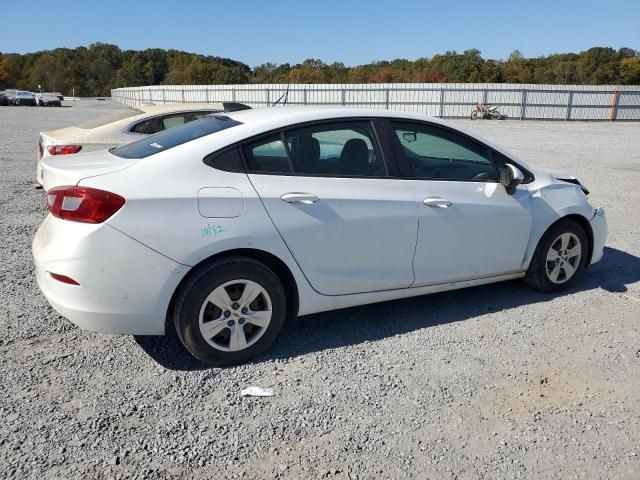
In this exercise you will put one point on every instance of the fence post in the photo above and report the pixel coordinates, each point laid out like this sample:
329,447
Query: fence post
343,96
523,104
569,105
484,96
386,99
266,95
183,95
440,114
163,97
233,94
304,96
206,95
613,114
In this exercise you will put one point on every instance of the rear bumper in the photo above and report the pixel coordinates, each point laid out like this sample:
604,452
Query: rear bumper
39,177
125,287
600,231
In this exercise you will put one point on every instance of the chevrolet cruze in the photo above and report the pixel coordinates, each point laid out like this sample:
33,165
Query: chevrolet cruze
228,226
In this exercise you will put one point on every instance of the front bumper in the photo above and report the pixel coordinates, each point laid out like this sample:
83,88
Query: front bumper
125,287
600,231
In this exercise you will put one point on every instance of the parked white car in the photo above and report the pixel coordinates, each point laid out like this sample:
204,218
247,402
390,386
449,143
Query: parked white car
235,222
122,127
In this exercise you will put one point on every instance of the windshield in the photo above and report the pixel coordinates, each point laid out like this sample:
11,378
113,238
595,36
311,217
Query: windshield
175,136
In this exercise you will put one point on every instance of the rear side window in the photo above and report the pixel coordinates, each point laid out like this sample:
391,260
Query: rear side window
268,156
175,136
164,122
147,127
339,149
228,160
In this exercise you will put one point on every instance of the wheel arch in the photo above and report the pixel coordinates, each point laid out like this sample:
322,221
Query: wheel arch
585,224
276,264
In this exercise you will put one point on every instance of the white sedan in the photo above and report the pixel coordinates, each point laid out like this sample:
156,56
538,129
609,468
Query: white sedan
124,126
225,227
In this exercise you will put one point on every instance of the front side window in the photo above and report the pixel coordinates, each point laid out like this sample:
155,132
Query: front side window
175,136
438,153
340,149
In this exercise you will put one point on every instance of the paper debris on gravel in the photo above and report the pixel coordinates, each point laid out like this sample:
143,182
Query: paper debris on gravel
256,392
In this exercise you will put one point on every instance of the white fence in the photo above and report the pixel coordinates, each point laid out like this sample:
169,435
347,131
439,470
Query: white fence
448,100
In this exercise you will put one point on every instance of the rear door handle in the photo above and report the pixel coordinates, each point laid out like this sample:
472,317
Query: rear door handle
299,197
437,202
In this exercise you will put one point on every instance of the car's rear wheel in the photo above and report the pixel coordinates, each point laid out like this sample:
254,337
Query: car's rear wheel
230,310
559,257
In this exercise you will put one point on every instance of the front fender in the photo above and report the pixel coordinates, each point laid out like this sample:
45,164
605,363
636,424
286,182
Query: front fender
550,203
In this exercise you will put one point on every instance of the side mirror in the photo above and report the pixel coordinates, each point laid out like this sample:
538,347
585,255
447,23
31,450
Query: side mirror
511,177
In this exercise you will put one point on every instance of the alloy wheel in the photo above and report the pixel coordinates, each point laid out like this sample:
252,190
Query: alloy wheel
235,315
563,258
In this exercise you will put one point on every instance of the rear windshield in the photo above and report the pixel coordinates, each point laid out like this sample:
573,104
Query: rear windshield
166,139
114,117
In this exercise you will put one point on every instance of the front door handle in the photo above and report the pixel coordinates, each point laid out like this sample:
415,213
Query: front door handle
437,202
299,197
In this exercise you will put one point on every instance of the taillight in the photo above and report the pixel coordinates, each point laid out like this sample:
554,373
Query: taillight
63,149
83,204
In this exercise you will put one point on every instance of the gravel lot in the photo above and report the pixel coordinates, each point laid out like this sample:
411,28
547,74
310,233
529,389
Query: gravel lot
490,382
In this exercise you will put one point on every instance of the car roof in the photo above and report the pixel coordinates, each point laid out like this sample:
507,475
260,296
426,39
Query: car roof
287,115
178,107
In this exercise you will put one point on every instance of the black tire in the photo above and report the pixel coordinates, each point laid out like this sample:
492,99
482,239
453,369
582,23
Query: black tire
193,293
474,115
495,115
537,276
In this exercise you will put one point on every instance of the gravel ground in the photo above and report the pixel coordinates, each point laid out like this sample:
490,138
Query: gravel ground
489,382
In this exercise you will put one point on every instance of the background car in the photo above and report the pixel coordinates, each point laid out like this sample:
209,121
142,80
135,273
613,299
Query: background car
11,95
23,98
225,227
124,126
4,101
48,100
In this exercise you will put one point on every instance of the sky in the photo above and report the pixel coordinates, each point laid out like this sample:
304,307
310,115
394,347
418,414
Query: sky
352,32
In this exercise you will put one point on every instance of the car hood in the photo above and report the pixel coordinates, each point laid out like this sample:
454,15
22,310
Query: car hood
67,170
556,177
559,174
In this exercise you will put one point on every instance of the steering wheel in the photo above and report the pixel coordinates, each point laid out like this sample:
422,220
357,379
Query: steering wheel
481,176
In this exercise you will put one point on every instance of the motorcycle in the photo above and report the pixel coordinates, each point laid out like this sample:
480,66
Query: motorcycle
483,111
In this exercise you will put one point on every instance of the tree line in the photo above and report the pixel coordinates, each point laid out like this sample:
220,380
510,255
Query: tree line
95,70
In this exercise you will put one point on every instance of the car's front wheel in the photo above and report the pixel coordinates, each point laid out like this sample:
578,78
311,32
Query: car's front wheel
559,257
230,310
